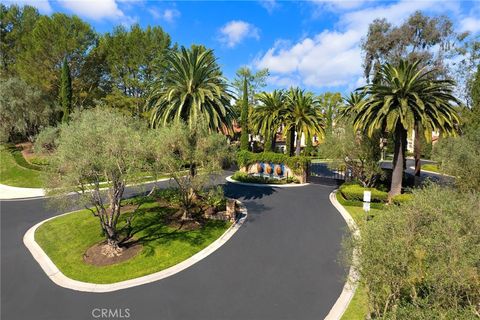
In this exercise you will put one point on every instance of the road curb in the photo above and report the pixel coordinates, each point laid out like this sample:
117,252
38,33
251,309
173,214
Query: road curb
350,286
293,185
60,279
42,194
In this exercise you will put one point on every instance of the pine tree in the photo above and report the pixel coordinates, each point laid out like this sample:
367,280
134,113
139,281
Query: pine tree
65,91
244,117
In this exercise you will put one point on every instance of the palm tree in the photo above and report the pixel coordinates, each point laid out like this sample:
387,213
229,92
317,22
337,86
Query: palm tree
302,113
266,116
193,89
402,97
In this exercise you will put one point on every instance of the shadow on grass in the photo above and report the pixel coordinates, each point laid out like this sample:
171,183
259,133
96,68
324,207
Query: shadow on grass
152,229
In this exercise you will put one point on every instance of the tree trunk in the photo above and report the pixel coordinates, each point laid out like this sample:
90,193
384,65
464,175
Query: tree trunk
274,140
291,142
398,159
299,144
417,153
267,142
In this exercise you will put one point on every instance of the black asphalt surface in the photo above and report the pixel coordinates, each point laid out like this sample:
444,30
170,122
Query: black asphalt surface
281,264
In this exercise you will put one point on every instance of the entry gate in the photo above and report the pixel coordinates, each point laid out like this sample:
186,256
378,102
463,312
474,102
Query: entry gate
320,173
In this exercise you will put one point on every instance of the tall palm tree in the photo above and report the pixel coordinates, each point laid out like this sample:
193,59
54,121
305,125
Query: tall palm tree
403,96
266,116
302,113
193,89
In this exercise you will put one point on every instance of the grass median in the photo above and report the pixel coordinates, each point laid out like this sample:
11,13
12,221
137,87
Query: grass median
66,239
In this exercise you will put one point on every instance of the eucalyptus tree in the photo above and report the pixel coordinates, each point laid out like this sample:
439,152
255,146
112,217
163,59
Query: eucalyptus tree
302,114
266,116
404,96
193,88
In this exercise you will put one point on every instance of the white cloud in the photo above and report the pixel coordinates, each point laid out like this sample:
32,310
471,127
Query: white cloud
94,9
269,5
333,57
340,4
470,24
42,5
168,15
235,31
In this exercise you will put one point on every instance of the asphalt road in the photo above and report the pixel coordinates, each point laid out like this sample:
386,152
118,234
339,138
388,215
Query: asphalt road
282,264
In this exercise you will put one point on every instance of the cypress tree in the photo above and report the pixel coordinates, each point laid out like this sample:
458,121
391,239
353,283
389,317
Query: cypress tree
65,91
244,117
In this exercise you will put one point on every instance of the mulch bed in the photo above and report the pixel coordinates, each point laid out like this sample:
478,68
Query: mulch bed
94,255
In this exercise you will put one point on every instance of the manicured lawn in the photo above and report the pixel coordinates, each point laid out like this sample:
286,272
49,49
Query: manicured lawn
65,239
431,167
12,174
358,307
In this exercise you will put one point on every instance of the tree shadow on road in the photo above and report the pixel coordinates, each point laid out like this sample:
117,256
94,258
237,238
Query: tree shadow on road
238,191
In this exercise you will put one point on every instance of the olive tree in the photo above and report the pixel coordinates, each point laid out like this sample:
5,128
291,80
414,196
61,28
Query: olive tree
98,152
181,151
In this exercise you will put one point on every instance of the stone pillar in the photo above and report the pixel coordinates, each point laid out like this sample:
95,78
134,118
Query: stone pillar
231,209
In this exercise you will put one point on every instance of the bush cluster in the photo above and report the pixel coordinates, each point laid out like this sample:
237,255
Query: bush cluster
420,260
248,178
354,192
298,164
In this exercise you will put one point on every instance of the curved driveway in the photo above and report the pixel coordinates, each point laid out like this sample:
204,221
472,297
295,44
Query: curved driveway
282,264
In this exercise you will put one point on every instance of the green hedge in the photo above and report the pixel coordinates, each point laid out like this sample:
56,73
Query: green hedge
356,203
20,160
402,198
354,192
298,164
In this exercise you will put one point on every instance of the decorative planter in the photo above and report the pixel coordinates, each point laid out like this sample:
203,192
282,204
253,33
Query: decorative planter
278,170
268,168
259,168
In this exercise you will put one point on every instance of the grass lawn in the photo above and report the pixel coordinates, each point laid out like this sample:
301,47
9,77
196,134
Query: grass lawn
12,174
358,307
431,167
65,239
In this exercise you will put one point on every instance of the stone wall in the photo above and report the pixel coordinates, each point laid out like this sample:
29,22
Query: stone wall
273,170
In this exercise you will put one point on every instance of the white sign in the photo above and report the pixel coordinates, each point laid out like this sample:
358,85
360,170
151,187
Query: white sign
367,195
366,206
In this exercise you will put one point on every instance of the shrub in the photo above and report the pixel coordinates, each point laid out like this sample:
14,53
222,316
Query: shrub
355,192
47,140
298,164
421,258
402,198
248,178
38,160
215,197
356,203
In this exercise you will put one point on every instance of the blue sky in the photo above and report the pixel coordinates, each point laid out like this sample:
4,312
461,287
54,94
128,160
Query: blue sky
313,44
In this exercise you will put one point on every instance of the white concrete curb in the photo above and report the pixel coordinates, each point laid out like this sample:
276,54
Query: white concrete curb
35,193
291,185
9,192
60,279
350,286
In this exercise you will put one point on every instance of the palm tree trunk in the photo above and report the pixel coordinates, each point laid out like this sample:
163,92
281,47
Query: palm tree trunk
398,159
274,140
267,143
290,141
417,153
299,143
